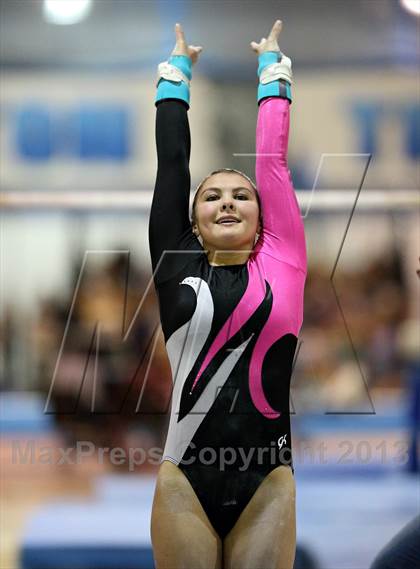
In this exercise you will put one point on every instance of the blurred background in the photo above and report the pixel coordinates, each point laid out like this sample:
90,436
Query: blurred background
85,381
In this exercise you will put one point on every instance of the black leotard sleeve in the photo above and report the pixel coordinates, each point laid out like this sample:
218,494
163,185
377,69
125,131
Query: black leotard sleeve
169,225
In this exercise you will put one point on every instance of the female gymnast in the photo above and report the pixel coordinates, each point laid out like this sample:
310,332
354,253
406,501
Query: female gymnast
230,283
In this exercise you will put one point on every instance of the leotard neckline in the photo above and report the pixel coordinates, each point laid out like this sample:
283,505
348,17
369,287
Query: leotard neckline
227,266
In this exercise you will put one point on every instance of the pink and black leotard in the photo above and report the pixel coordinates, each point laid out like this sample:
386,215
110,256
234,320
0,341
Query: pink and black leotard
230,331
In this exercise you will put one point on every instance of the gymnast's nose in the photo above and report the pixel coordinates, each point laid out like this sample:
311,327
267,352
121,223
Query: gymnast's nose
227,205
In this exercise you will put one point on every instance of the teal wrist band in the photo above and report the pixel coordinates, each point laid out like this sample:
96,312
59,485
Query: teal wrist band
183,62
179,89
279,88
267,58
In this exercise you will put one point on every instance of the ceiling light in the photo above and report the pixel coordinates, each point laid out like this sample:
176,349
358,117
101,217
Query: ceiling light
412,6
65,12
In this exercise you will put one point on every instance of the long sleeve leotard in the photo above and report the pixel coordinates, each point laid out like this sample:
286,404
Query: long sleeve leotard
230,331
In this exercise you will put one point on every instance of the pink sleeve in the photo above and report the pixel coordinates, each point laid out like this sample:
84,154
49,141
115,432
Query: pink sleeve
283,234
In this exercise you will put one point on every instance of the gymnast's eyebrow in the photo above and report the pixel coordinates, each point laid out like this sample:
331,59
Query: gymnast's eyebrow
233,189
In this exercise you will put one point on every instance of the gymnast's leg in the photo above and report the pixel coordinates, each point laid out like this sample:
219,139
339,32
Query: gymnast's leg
182,536
264,537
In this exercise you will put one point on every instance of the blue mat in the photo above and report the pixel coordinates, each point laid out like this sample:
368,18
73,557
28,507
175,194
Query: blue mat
67,535
125,489
384,419
23,412
87,558
344,522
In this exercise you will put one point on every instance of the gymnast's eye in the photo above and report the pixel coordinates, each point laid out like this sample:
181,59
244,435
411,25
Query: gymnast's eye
211,197
241,196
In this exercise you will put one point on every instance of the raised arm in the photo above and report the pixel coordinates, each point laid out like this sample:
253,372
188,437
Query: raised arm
169,224
283,230
169,213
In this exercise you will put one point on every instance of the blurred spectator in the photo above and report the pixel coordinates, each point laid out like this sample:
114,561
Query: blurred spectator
111,374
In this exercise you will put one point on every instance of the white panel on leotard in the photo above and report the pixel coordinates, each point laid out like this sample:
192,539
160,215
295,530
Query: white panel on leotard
183,347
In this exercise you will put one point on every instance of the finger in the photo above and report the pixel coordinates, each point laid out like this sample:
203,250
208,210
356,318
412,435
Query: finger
179,34
275,30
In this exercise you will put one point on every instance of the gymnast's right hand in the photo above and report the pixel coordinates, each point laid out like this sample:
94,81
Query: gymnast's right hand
181,47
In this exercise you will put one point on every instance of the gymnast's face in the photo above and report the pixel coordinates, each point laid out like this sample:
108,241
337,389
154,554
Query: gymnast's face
227,195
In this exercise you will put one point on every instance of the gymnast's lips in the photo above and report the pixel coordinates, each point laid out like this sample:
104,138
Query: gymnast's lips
228,218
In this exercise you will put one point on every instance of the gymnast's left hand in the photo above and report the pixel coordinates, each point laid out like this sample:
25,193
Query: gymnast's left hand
271,42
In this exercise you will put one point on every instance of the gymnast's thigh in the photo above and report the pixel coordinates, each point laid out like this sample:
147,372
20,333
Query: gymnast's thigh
264,537
182,536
